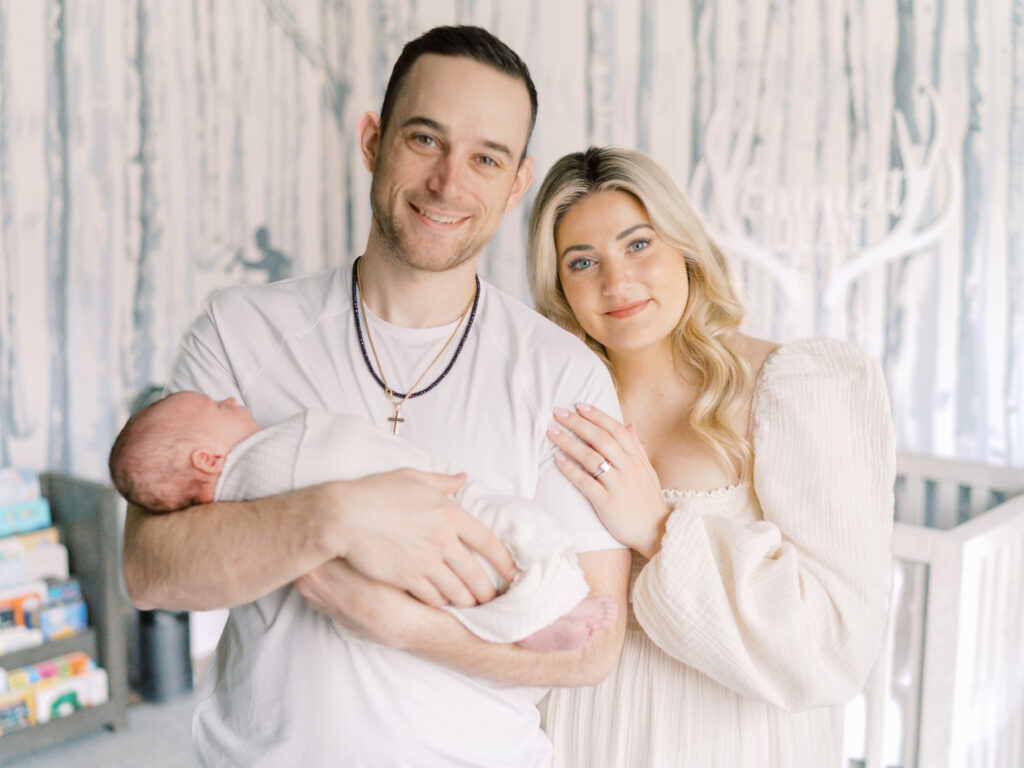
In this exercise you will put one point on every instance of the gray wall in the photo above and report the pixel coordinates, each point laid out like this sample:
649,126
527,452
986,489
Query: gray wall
864,165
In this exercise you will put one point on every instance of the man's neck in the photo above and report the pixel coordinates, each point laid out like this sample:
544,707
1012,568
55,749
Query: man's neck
410,297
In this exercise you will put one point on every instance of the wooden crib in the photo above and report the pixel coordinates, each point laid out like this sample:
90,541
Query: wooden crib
947,690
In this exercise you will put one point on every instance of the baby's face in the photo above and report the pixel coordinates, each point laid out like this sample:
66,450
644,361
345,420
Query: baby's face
222,423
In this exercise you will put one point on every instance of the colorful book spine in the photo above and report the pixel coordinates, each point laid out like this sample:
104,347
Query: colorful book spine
40,563
51,689
18,484
19,637
17,711
13,571
63,591
66,697
68,665
20,599
24,516
57,620
18,544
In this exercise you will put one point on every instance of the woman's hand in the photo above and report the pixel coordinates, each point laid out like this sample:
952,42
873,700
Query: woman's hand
627,495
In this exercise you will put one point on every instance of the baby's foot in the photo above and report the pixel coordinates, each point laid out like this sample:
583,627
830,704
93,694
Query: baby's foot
574,629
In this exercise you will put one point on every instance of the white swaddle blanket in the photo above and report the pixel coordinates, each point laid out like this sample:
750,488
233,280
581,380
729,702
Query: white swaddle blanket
315,447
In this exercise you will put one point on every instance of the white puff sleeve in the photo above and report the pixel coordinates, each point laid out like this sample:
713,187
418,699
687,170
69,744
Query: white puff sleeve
788,609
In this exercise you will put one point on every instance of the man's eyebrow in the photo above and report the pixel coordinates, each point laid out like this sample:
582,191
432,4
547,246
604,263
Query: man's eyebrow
426,122
498,147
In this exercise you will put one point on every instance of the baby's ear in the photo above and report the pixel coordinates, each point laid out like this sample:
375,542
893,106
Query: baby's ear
207,461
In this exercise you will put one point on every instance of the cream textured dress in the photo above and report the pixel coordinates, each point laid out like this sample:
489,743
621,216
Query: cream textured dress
765,607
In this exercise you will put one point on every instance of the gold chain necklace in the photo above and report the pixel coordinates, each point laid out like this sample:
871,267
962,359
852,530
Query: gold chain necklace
397,404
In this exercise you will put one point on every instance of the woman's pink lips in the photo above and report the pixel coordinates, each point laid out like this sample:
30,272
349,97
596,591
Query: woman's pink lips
629,310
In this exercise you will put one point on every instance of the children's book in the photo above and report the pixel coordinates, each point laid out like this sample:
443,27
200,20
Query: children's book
24,516
18,484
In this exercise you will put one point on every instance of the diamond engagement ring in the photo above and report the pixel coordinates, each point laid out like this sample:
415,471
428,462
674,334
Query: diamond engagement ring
604,467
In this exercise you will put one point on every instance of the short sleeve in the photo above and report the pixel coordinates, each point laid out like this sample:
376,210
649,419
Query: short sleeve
201,363
554,492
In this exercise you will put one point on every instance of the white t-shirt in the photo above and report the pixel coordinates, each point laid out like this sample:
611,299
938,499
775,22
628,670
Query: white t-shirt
281,690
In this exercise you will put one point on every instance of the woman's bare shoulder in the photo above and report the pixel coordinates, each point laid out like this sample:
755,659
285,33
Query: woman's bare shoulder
754,351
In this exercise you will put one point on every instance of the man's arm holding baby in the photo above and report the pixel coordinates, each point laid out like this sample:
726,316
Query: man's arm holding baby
391,617
398,527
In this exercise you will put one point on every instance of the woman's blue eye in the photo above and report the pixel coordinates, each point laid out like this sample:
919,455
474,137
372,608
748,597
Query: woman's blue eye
638,245
581,263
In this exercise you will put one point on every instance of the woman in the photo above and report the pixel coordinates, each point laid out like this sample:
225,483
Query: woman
761,571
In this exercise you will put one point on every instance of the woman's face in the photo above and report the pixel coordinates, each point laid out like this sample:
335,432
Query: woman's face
626,286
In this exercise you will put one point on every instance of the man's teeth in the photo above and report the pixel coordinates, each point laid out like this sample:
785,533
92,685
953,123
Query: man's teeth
435,217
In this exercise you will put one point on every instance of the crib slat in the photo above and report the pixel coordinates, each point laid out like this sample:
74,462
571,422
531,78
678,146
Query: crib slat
947,504
981,499
880,682
913,509
914,607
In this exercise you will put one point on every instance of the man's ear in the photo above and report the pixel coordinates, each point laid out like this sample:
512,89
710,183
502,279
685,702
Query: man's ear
368,131
524,177
207,461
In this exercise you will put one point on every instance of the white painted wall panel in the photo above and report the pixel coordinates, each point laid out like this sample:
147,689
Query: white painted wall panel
862,161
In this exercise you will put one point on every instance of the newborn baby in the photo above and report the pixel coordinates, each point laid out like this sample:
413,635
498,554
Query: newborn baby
188,449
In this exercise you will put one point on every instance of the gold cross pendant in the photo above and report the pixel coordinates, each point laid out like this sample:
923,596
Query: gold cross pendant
395,420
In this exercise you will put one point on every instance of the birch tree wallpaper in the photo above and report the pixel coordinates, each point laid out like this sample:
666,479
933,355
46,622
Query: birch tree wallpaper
862,161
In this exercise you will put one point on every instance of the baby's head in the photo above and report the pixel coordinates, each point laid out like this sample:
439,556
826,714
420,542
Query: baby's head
170,454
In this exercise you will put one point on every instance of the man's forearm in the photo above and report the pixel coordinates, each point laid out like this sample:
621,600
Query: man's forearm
224,554
441,638
400,528
447,642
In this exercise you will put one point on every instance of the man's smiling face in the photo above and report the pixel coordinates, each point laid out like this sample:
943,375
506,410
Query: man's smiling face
448,166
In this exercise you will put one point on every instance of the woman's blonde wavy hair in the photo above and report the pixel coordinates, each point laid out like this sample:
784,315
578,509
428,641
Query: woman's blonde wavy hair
703,338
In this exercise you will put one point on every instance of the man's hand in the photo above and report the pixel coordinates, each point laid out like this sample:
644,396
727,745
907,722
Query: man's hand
401,528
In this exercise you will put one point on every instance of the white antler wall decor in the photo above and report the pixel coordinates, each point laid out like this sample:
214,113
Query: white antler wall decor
902,193
904,238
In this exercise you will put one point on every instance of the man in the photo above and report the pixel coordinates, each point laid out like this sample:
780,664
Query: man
410,343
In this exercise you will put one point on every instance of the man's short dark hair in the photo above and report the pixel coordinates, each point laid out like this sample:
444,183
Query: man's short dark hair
471,42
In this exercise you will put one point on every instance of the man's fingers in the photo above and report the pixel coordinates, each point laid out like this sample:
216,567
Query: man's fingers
471,574
425,591
443,484
483,540
453,586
